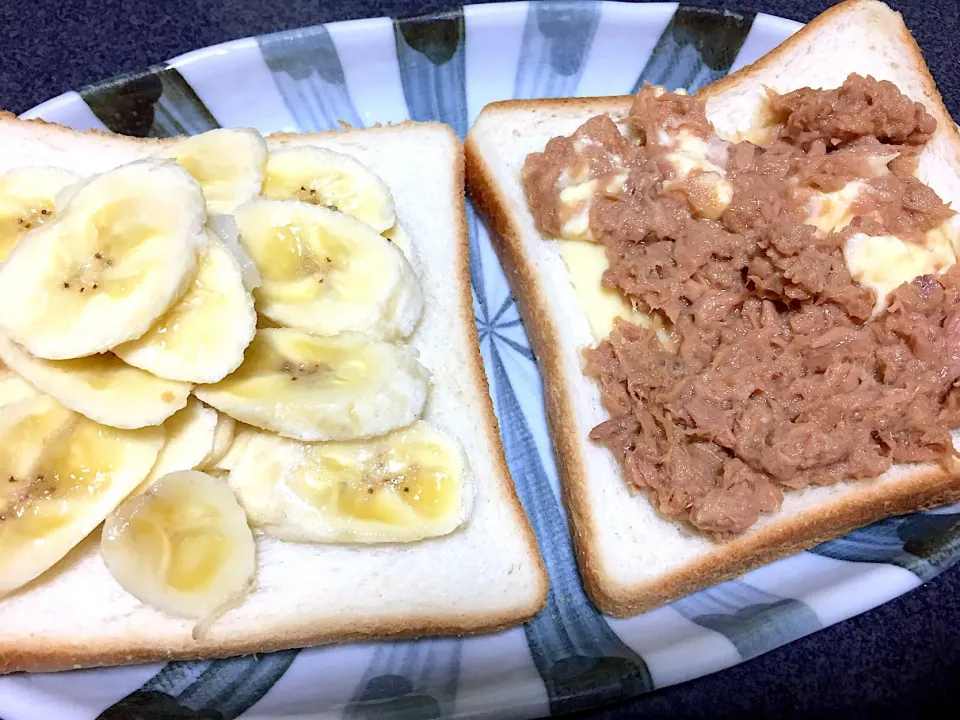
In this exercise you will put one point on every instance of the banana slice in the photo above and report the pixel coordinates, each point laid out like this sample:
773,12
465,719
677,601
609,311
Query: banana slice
312,388
223,436
190,438
14,388
242,435
409,485
398,236
225,228
202,338
323,177
228,164
101,387
27,198
123,250
63,474
327,272
182,547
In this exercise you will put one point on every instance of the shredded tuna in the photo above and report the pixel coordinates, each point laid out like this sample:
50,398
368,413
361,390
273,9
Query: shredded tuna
780,378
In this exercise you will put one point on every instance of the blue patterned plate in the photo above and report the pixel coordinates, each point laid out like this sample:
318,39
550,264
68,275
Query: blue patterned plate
569,657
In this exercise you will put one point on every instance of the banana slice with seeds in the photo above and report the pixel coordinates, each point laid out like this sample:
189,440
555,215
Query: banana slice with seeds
182,547
101,387
27,200
409,485
323,177
62,475
311,388
228,164
327,272
123,250
201,339
190,437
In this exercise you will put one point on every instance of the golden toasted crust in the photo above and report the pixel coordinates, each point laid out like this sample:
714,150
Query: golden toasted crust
66,655
45,656
605,105
6,116
895,27
922,489
542,331
621,103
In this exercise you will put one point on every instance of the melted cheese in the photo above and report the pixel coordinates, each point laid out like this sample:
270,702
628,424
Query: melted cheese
829,212
690,153
884,262
585,263
577,200
760,134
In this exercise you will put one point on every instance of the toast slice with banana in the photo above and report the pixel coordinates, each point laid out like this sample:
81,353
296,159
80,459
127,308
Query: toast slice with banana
242,405
634,554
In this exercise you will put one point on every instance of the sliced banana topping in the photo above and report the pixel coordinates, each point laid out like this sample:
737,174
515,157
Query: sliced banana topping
223,436
323,177
202,338
62,475
122,293
399,237
406,486
228,164
14,388
190,438
182,547
122,251
242,435
226,229
312,388
27,200
327,272
101,387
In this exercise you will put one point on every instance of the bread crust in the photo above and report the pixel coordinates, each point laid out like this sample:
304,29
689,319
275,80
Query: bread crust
47,657
923,488
25,654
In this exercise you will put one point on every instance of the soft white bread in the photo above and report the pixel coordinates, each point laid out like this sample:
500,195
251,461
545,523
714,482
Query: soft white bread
631,558
485,576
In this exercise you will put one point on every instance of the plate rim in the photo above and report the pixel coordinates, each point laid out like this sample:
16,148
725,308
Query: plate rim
483,12
486,11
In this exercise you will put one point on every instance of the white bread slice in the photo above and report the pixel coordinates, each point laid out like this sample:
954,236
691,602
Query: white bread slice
485,576
631,558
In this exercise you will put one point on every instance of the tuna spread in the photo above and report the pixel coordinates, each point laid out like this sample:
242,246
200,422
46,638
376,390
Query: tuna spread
808,310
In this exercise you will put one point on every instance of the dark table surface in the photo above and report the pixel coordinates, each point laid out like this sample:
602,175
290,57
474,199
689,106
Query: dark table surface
899,660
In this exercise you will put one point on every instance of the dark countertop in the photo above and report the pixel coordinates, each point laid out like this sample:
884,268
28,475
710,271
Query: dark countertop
899,660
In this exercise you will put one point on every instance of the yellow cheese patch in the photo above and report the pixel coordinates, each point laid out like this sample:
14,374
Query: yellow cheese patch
585,264
576,199
884,262
761,134
689,154
830,212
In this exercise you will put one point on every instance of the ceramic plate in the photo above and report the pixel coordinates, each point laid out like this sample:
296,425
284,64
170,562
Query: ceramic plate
569,657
